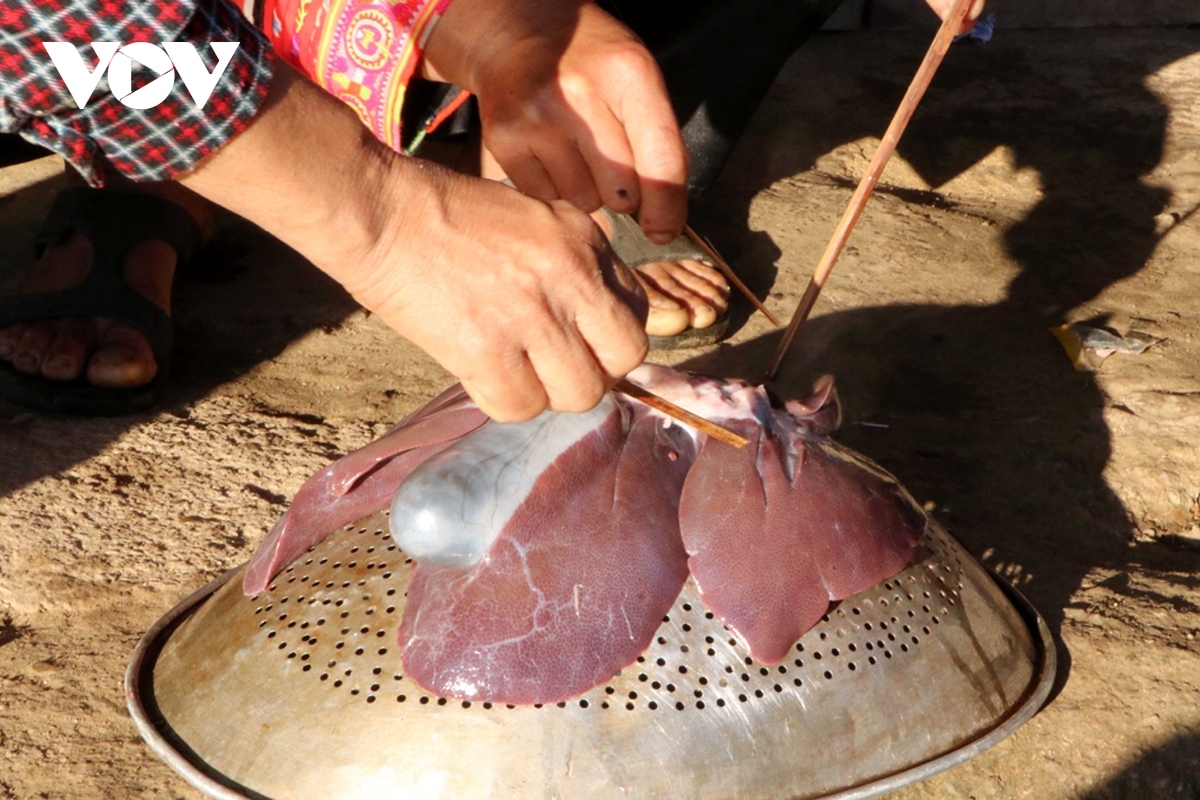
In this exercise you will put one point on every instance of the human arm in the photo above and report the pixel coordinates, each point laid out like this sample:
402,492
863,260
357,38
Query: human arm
519,298
145,145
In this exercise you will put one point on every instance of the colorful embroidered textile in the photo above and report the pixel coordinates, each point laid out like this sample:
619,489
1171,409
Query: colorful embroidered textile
363,52
147,145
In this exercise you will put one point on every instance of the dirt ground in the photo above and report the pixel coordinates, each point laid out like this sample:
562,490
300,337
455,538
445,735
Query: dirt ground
1049,176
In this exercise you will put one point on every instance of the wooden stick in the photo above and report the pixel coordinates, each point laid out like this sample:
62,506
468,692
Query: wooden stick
920,82
720,263
683,415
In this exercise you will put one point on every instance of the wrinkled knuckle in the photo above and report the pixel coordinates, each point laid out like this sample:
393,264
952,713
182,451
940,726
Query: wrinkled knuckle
518,409
596,393
575,85
632,62
524,287
584,397
503,401
474,340
527,272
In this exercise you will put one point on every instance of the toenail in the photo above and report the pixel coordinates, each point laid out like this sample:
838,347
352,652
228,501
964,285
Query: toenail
664,303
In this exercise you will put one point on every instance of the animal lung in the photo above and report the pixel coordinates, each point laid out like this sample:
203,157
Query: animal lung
452,507
547,553
577,581
361,482
778,529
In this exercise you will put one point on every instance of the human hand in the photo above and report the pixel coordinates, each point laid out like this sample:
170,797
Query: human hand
943,8
521,299
573,105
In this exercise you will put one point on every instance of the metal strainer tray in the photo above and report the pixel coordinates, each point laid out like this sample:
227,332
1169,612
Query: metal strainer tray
299,693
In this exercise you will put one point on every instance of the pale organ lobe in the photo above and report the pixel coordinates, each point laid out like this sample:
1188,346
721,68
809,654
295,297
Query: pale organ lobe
452,507
577,582
778,529
360,483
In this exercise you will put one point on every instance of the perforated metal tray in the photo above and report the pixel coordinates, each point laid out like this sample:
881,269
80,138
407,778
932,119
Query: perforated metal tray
298,693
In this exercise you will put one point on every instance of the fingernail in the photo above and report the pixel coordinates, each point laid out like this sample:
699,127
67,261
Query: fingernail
661,238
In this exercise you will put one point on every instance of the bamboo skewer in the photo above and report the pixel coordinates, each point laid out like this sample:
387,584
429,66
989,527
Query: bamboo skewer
706,246
683,415
916,90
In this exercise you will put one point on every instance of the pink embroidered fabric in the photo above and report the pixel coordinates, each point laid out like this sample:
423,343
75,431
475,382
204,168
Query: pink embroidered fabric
363,52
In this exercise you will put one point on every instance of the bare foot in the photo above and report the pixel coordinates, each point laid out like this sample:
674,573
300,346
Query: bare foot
113,355
683,294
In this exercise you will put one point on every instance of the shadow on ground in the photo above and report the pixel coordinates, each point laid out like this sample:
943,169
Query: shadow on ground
1171,770
242,302
982,416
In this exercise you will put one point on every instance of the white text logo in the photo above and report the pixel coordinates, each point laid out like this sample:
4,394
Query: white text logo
165,61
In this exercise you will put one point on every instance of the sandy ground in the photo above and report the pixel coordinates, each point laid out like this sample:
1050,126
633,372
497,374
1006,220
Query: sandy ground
1048,177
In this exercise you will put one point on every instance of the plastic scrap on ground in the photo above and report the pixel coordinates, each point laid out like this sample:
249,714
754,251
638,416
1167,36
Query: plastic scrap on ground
1088,346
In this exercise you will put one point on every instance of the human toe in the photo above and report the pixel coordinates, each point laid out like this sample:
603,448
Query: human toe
666,317
10,337
123,359
704,280
663,322
707,286
67,355
673,281
31,349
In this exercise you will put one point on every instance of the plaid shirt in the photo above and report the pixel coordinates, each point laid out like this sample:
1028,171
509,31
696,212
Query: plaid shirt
146,145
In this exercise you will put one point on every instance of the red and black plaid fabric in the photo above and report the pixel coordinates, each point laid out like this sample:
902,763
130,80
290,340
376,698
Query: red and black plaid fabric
146,145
